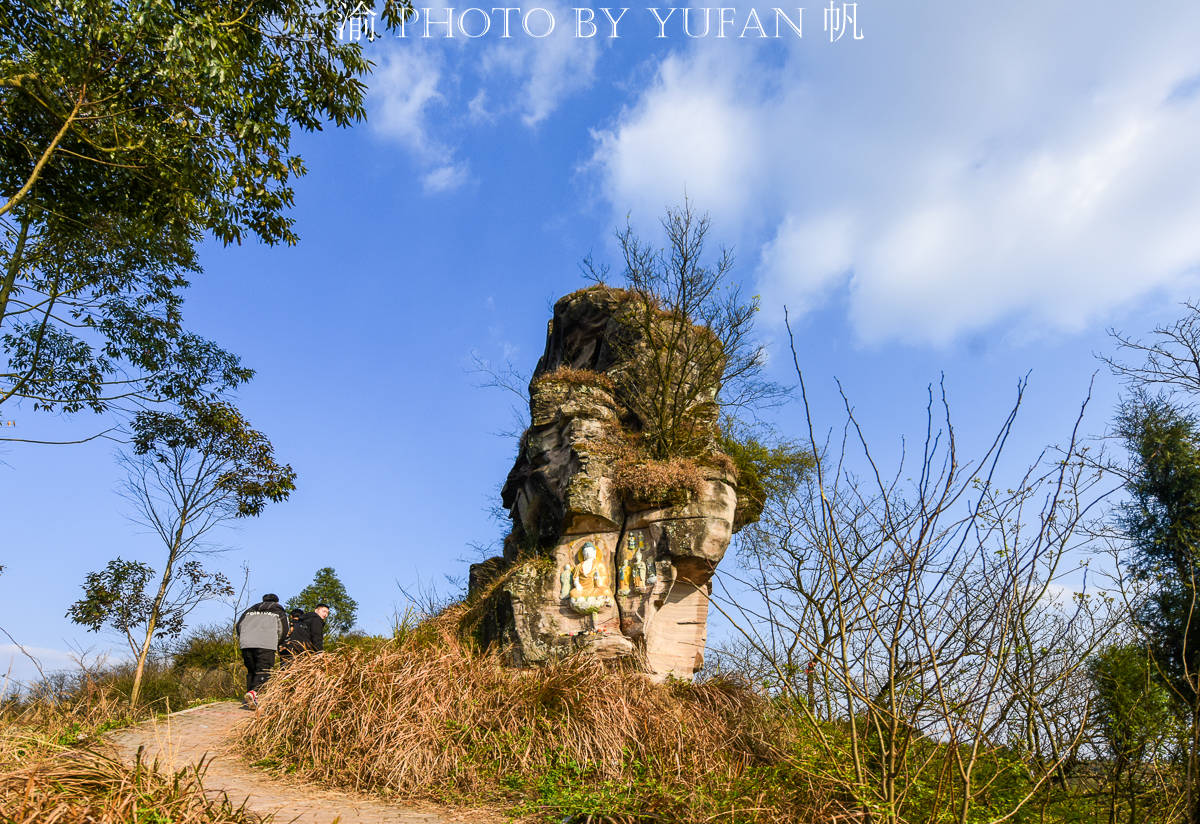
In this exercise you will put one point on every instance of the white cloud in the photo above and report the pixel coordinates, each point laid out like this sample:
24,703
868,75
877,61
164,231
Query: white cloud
474,82
446,178
406,89
403,89
693,130
544,70
477,109
962,169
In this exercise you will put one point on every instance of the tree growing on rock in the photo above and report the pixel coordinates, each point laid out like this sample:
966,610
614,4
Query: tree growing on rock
188,472
687,342
327,588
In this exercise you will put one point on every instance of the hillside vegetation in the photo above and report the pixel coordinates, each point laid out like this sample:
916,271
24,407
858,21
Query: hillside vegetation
426,715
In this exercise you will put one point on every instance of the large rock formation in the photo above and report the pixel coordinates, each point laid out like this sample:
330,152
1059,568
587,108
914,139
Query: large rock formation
610,550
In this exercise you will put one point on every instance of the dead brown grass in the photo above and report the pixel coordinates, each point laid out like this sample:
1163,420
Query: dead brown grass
46,785
668,482
430,717
641,480
577,377
54,768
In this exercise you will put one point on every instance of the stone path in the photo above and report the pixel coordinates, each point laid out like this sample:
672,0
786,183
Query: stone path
183,738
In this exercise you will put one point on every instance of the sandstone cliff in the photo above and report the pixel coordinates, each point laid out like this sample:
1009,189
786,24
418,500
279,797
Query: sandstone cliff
611,550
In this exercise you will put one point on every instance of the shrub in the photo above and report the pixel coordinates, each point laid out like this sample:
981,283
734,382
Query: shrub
354,640
763,471
211,646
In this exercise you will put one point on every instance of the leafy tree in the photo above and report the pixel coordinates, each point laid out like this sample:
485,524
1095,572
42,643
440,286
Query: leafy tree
1135,716
679,378
187,473
117,597
1162,523
114,597
128,132
327,588
766,471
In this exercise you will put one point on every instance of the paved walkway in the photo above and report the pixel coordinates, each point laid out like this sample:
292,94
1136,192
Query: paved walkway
183,738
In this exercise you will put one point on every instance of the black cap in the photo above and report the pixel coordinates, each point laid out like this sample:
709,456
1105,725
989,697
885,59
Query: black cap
297,613
270,596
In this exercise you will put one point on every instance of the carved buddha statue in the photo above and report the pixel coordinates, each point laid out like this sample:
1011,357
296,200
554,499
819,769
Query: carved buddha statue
591,586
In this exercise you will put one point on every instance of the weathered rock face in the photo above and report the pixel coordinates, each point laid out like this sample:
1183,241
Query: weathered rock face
587,566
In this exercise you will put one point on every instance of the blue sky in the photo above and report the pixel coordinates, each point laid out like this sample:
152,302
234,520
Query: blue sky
978,190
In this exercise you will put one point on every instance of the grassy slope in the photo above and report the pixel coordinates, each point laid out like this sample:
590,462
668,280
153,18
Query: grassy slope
427,716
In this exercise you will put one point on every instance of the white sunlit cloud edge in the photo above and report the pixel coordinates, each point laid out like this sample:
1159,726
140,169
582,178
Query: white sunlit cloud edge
999,199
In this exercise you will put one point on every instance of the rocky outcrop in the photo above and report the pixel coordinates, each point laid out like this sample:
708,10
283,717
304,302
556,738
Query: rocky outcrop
595,561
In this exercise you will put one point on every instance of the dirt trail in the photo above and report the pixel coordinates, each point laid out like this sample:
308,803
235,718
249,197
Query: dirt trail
182,739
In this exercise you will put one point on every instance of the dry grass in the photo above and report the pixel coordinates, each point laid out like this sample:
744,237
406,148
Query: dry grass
641,480
577,377
50,785
723,462
671,482
427,716
52,767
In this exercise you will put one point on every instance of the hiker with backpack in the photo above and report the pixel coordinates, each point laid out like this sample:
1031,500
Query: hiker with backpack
307,633
260,631
298,640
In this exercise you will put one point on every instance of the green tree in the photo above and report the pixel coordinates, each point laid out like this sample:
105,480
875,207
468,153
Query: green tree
1134,714
1162,523
117,597
130,130
327,588
766,471
188,472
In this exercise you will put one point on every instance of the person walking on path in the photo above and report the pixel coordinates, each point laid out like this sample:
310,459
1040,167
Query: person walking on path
315,621
298,640
260,630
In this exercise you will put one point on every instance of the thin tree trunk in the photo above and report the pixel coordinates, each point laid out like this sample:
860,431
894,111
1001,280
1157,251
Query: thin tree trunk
136,692
14,264
155,613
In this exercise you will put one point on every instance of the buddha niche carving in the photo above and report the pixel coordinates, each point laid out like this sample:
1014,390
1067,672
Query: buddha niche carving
634,574
590,584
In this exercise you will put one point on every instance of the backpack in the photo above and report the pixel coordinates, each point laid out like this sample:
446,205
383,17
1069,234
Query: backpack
299,637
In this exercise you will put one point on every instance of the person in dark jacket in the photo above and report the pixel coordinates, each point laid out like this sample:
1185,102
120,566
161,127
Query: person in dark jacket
316,626
298,640
260,630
